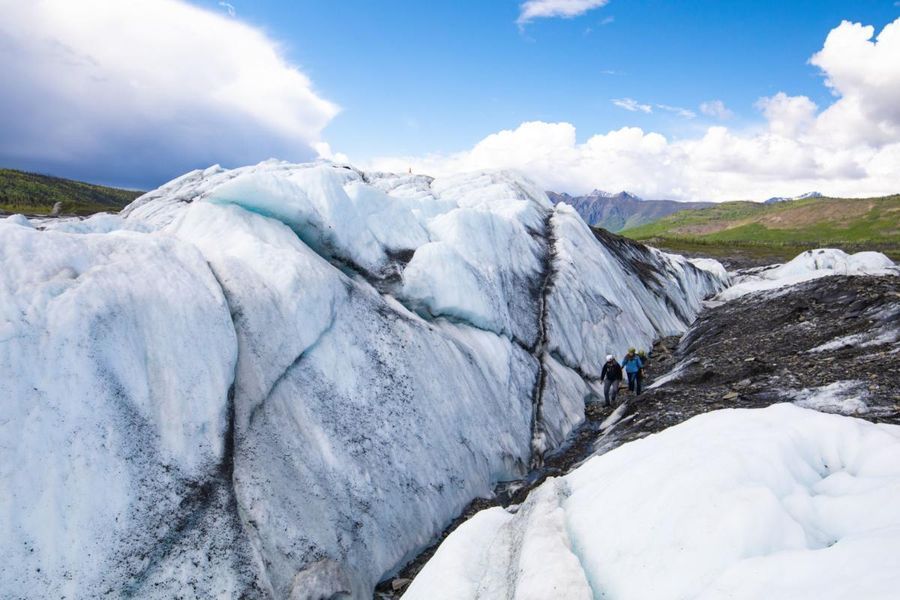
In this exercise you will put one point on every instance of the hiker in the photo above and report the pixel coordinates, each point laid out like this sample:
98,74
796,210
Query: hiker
644,362
611,376
633,365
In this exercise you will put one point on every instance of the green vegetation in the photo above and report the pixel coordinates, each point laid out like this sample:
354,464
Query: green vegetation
34,194
782,229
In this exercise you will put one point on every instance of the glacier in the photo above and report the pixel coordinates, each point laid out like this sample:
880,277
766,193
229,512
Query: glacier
285,380
781,502
812,264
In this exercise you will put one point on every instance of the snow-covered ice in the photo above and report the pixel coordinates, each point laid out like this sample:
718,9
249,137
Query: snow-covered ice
711,265
878,336
841,397
289,378
672,375
810,265
778,503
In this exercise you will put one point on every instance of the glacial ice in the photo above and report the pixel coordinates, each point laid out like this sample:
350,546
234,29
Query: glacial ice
289,378
780,503
117,353
841,397
810,265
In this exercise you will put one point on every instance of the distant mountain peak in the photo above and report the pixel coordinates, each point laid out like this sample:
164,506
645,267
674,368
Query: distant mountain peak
622,210
776,199
623,195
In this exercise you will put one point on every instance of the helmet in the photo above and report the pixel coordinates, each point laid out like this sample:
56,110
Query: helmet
609,357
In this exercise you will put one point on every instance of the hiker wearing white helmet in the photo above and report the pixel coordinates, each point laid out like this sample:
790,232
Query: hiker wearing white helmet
633,365
611,376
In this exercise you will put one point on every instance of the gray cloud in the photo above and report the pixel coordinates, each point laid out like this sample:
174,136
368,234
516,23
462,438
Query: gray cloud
136,93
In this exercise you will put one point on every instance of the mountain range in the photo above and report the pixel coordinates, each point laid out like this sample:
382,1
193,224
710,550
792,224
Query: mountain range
848,223
624,210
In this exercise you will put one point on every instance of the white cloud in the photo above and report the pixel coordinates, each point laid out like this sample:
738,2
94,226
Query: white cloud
851,148
716,109
632,105
229,8
788,115
681,112
104,88
323,149
607,20
865,75
542,9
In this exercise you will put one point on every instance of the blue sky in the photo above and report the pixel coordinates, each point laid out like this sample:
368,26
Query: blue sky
621,95
414,77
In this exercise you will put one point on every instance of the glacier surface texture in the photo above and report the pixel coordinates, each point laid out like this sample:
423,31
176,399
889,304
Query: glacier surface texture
781,503
284,380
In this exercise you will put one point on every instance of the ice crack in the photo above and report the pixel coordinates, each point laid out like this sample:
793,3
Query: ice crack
538,435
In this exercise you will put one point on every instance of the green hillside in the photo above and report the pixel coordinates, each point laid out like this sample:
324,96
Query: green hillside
34,194
852,224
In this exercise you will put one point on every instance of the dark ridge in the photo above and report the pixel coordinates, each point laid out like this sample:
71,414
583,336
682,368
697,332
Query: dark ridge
622,210
540,349
630,254
32,193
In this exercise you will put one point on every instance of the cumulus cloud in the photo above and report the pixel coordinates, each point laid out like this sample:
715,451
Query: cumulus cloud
864,73
136,92
716,109
788,115
323,149
632,105
849,148
542,9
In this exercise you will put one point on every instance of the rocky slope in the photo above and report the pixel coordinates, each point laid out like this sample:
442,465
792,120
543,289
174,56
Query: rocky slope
285,380
840,333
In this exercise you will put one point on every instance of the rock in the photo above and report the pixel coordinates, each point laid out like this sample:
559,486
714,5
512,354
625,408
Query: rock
730,396
400,584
